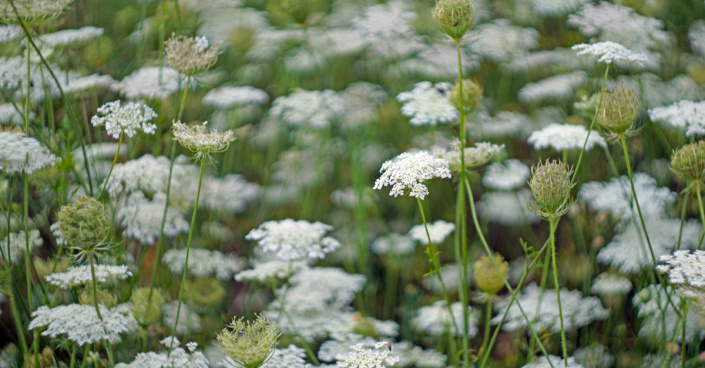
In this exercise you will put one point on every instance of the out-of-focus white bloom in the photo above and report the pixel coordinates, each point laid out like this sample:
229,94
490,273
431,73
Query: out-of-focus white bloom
657,92
428,104
9,33
474,157
312,324
394,243
15,247
146,173
231,193
317,109
10,116
80,323
177,358
362,357
563,137
696,35
126,119
556,8
294,240
686,271
594,356
440,62
684,114
88,83
658,317
435,319
81,275
271,270
610,52
230,97
509,175
203,263
615,196
628,251
549,60
320,288
23,154
577,311
556,362
68,37
555,88
407,173
362,101
388,29
342,344
608,284
438,231
505,124
142,218
500,41
189,321
144,83
507,208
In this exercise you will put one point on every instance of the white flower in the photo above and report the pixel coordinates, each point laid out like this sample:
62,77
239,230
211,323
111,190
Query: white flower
474,157
510,175
203,263
407,173
615,196
145,83
294,240
556,362
556,88
87,83
271,270
435,319
189,321
142,218
438,231
362,357
610,52
427,104
81,275
23,154
507,208
231,193
594,356
556,8
69,37
608,284
563,137
80,323
686,271
684,114
177,358
393,244
229,97
15,247
198,139
128,119
9,33
658,317
319,287
505,124
500,41
696,35
313,108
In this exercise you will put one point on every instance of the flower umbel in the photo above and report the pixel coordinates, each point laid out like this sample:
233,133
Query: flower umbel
31,12
487,277
550,184
363,357
454,17
84,224
126,119
407,173
200,141
249,344
190,55
618,110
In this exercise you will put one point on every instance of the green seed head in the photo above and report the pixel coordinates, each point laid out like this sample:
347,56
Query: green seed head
249,344
207,292
689,161
472,95
454,17
84,223
487,277
104,298
147,311
550,184
618,110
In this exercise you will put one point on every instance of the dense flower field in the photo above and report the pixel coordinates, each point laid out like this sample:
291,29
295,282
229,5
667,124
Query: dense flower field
352,183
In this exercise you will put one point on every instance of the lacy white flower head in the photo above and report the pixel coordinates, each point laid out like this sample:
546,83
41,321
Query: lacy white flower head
556,8
197,139
507,208
142,218
505,124
686,271
438,231
563,137
317,109
428,104
203,263
500,41
22,154
71,37
15,246
270,270
80,323
151,82
556,88
556,362
610,284
509,175
292,240
249,344
609,52
126,119
407,173
320,288
190,55
362,357
474,157
435,319
615,196
81,275
230,97
177,358
658,317
683,114
31,12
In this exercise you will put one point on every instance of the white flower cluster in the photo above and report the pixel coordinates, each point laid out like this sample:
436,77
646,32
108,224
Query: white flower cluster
9,33
91,82
438,231
362,357
577,311
555,362
230,97
31,10
505,124
696,35
317,109
594,356
189,321
142,218
292,240
684,114
203,263
80,323
686,271
151,82
409,355
509,175
408,172
500,41
270,270
177,358
320,286
556,88
70,37
474,157
507,208
608,284
609,52
556,8
81,275
435,319
658,315
231,193
564,137
147,173
129,118
198,139
428,104
615,196
23,154
15,246
549,60
393,243
388,29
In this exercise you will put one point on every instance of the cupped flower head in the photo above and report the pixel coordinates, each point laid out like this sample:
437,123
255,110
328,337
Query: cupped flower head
249,344
407,173
22,154
473,157
126,119
31,12
550,184
617,110
610,52
454,17
688,162
84,224
292,240
190,55
201,141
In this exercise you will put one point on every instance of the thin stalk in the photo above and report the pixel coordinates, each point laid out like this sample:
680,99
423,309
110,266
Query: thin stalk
558,289
488,317
702,213
18,323
113,165
592,125
681,327
95,288
73,356
188,249
683,213
25,224
26,104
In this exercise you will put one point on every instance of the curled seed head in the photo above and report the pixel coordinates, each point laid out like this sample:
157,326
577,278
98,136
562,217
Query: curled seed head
617,110
550,184
84,223
689,161
454,17
250,344
487,277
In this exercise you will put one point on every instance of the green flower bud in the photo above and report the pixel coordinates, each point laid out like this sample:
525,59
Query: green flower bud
249,344
208,292
454,17
618,110
472,95
487,277
550,184
688,162
104,297
84,223
145,310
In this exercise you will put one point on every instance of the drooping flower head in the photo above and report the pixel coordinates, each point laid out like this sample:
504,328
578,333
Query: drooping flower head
292,240
407,173
201,141
190,55
550,184
31,12
126,119
249,344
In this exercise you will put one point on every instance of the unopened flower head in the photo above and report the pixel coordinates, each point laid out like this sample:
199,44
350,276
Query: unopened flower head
197,139
249,344
550,184
364,357
471,97
610,52
407,173
689,162
454,17
618,110
126,119
31,12
488,278
190,55
84,224
147,305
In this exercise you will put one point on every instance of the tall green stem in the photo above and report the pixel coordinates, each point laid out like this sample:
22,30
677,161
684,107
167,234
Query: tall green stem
95,288
113,165
702,213
592,125
558,288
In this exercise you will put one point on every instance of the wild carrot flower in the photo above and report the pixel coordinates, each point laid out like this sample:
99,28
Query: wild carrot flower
564,137
454,17
686,272
292,240
551,187
22,154
197,139
688,162
428,104
618,111
610,52
126,119
249,344
190,55
31,12
407,173
362,357
82,275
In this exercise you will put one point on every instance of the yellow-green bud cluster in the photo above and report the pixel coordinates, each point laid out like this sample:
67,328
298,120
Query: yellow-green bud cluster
249,344
84,223
689,161
207,292
618,110
103,297
472,95
147,310
550,184
454,17
488,278
45,359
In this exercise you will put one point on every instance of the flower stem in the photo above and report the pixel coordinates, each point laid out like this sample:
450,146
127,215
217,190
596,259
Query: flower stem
702,213
592,125
113,165
558,289
95,288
